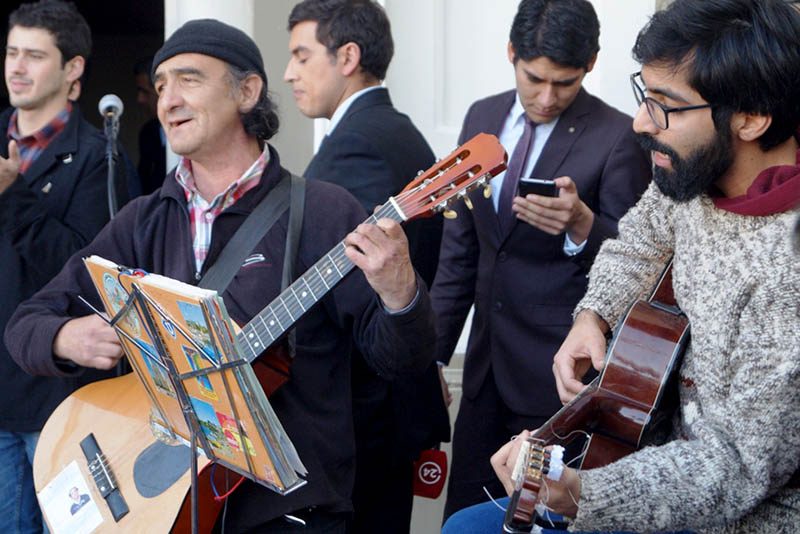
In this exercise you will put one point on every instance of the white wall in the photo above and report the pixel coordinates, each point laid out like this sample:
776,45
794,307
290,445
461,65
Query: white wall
294,139
449,53
620,22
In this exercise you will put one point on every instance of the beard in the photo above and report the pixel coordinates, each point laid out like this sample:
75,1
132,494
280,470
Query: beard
694,175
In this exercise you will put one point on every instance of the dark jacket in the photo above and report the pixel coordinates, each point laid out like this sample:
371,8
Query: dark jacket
522,284
374,152
55,209
153,233
152,166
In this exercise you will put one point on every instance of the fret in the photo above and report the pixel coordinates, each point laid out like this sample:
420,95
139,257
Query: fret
285,307
313,295
247,341
333,261
299,300
387,211
259,343
316,268
275,318
263,322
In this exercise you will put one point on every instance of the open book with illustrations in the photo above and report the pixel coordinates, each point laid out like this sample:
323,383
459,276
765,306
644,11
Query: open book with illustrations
183,346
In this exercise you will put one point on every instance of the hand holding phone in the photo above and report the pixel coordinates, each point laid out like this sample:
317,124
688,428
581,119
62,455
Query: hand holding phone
533,186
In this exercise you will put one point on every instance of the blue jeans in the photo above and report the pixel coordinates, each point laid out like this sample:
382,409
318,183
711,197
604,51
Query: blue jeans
19,509
485,518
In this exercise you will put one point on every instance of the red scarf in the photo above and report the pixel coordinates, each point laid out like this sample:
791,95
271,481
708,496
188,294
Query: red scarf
775,190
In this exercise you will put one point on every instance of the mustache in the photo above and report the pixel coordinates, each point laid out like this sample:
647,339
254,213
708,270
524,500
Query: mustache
648,143
178,115
19,79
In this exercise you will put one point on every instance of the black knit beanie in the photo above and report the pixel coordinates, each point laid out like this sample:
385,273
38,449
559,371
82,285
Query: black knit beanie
216,39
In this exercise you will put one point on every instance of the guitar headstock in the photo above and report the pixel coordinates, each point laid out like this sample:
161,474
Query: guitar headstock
469,166
535,462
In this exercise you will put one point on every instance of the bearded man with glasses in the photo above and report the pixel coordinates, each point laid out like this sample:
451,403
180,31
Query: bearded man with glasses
719,90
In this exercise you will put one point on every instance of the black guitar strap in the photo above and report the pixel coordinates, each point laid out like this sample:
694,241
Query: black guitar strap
288,194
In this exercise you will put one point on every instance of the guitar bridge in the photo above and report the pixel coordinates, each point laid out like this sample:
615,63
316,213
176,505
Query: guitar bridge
103,477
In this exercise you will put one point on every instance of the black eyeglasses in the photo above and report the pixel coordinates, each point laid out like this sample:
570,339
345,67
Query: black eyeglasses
659,113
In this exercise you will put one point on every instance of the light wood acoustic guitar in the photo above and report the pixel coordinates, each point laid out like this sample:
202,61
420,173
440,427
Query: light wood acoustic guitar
152,479
627,406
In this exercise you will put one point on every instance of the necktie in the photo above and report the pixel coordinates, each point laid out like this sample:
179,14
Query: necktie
513,174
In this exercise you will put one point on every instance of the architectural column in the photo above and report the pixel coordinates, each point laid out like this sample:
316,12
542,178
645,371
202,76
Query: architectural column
237,13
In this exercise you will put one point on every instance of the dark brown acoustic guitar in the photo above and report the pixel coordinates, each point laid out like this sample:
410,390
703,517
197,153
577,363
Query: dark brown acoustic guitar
145,483
629,405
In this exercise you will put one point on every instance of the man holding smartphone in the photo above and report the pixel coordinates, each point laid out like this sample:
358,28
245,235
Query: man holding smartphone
523,261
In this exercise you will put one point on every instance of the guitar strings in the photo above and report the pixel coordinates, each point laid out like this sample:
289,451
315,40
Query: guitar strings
545,499
494,501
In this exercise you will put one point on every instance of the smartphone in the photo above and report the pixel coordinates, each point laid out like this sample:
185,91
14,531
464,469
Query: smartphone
532,186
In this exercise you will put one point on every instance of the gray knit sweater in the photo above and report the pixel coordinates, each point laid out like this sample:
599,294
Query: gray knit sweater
737,440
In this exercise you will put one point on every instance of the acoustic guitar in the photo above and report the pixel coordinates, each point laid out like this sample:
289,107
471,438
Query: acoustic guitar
140,484
629,405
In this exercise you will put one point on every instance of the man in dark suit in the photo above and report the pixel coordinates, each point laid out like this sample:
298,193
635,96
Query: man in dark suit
523,262
340,51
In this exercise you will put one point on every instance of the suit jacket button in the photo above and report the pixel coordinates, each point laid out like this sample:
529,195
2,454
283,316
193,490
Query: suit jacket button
502,256
498,306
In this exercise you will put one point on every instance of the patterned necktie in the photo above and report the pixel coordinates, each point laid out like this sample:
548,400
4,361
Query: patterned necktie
513,174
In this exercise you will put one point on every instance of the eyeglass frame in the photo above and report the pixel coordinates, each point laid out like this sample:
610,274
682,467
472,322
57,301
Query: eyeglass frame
638,95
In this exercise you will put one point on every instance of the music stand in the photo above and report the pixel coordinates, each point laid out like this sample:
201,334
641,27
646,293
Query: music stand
203,392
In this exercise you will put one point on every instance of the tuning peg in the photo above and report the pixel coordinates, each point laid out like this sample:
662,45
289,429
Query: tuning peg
420,172
450,214
468,202
487,191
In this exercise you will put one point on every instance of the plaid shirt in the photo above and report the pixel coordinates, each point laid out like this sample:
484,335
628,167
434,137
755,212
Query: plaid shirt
202,214
31,146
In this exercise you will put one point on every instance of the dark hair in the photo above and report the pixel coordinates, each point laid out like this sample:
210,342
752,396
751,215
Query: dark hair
566,32
339,22
262,121
740,56
69,29
143,66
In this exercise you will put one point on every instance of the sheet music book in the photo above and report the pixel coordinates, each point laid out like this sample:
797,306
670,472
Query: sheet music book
181,343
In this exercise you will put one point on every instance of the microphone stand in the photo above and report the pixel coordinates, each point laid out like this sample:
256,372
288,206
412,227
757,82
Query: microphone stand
111,129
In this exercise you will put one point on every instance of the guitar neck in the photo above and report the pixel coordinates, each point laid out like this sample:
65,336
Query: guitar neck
279,315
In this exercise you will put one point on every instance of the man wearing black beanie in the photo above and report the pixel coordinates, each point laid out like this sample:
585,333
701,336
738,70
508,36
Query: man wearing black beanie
215,111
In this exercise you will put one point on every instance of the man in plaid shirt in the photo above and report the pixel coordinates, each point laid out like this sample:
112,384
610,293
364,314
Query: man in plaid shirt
52,203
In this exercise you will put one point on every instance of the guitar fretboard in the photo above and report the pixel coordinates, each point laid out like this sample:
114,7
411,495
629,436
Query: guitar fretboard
280,314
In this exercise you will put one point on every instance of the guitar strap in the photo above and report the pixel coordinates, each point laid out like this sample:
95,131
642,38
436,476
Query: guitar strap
289,194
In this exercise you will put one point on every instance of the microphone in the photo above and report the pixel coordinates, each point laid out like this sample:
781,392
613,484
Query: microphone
110,106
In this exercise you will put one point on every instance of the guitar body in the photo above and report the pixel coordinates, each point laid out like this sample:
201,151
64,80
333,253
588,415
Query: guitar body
117,412
630,404
636,395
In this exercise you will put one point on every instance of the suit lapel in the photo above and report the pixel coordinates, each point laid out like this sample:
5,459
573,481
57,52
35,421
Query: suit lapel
496,115
569,128
570,125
